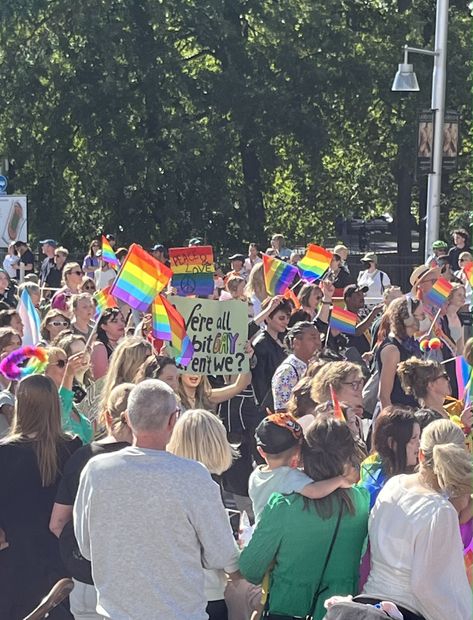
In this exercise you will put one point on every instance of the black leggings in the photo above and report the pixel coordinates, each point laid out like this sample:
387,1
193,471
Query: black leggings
408,615
217,610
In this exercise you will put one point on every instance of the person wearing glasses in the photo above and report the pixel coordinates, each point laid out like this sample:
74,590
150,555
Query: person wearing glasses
91,261
429,383
62,370
71,280
54,322
87,285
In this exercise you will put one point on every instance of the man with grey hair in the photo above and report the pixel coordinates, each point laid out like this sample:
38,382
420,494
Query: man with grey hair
150,521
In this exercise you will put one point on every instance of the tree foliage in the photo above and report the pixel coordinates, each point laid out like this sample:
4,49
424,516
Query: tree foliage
222,118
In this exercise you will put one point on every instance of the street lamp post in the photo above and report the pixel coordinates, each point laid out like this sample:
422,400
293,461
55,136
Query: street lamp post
405,80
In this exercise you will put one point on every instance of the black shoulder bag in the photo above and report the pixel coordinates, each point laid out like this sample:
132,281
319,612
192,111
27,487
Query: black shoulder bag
319,590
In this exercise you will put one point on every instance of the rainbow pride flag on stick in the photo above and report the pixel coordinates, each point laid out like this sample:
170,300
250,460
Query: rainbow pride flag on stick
337,408
315,262
108,255
468,271
463,374
140,279
343,320
439,293
278,275
103,300
173,328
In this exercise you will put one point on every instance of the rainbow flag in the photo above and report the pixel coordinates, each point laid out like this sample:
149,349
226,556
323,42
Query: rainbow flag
192,270
439,293
161,326
140,279
343,320
337,408
181,345
468,271
292,297
103,300
315,262
463,374
278,275
108,254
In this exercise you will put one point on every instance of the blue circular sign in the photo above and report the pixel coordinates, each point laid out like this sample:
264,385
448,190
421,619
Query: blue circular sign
3,183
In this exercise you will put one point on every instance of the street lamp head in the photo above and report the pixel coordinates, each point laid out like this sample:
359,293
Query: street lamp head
405,79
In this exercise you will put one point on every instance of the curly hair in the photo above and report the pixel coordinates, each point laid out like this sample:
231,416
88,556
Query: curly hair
399,311
300,402
332,374
416,374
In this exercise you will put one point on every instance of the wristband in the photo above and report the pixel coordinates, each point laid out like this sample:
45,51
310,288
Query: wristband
327,303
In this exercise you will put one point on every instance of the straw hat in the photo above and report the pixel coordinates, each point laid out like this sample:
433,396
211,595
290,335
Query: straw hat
422,272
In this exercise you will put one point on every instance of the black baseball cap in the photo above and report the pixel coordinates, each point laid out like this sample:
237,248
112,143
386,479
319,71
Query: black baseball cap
354,288
278,432
157,248
239,257
49,242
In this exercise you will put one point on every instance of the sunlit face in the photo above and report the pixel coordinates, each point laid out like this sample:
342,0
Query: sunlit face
35,298
350,392
412,323
77,346
4,282
84,310
412,447
458,240
114,328
458,297
74,277
170,376
278,322
440,385
16,324
307,344
56,325
191,381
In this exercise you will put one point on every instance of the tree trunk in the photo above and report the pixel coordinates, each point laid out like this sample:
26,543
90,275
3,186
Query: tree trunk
253,190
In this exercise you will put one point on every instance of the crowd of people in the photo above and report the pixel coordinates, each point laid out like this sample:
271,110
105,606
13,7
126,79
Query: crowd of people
332,480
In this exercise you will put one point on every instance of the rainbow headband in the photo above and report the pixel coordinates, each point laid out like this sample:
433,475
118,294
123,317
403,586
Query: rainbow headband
10,366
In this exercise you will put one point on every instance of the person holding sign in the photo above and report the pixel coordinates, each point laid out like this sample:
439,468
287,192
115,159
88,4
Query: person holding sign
196,392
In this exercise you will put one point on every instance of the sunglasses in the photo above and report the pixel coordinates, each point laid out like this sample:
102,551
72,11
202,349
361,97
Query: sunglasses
77,273
59,323
444,375
59,363
89,287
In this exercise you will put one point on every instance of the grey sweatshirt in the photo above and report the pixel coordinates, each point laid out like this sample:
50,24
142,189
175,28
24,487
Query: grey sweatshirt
149,521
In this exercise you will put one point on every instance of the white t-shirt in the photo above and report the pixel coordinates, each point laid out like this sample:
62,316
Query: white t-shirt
417,553
264,482
104,278
376,282
9,264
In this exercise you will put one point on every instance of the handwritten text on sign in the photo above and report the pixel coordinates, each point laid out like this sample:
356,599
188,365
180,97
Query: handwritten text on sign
193,270
218,331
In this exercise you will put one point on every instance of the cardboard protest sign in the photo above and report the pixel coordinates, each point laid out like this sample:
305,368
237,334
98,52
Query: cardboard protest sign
193,270
218,331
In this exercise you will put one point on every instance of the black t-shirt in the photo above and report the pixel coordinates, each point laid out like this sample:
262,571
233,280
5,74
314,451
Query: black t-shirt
67,491
27,259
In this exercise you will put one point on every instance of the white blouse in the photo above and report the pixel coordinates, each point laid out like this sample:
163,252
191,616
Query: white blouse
417,553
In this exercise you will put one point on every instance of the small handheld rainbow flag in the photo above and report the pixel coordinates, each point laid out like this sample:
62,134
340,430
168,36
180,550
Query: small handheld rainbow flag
315,262
292,297
337,408
140,279
108,254
161,326
278,275
439,293
343,320
103,300
181,344
468,271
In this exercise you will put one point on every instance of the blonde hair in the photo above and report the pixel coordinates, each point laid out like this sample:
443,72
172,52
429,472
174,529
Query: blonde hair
117,404
30,287
49,316
68,267
233,283
446,458
203,393
34,394
125,360
333,374
75,299
454,289
199,435
256,285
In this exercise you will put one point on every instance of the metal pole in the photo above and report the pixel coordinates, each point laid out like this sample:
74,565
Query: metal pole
432,225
